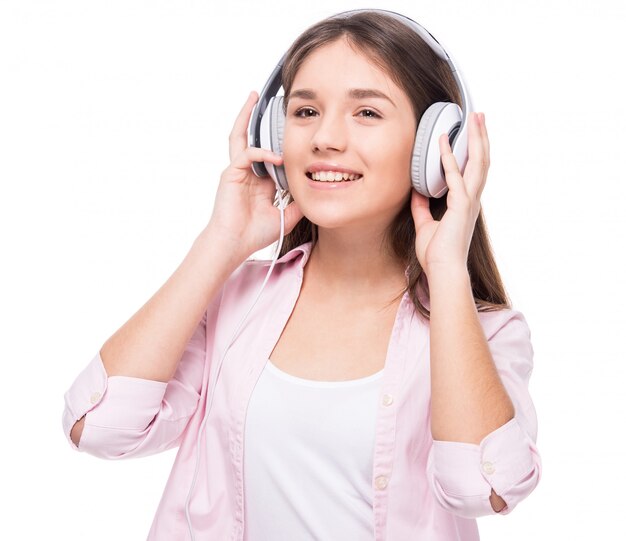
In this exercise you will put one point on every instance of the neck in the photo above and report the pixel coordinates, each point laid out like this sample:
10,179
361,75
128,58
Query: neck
357,265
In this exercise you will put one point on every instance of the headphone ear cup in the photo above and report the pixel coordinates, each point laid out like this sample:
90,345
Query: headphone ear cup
427,174
271,134
278,115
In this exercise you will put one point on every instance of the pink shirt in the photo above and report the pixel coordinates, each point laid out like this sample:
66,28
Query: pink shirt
421,489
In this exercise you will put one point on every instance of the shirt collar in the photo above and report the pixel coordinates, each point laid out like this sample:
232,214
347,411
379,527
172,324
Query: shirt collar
304,249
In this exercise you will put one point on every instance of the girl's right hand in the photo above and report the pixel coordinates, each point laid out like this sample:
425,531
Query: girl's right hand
244,211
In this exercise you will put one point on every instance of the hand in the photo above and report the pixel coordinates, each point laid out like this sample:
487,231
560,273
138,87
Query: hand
445,243
244,210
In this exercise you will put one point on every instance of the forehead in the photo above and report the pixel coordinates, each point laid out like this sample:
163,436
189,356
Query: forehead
340,63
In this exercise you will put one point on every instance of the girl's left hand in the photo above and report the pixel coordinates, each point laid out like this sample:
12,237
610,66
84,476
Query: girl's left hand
445,244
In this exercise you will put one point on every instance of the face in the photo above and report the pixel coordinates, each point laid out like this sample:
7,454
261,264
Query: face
345,115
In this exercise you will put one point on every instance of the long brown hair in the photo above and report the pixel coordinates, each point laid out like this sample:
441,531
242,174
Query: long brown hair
426,79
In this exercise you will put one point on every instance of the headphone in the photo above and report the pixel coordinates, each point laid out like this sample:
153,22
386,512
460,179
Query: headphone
267,123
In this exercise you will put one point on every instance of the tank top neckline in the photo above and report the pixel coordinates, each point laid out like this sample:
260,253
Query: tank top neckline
272,368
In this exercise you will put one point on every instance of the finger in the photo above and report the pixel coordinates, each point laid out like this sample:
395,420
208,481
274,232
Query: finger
453,176
486,151
420,210
244,159
238,138
485,137
475,172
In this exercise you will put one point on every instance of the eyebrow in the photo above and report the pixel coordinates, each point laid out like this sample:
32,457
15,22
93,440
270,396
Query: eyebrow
353,93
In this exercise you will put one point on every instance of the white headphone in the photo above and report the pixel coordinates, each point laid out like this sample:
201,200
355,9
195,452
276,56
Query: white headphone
267,122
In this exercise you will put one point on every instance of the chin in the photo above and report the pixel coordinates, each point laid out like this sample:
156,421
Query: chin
325,222
334,221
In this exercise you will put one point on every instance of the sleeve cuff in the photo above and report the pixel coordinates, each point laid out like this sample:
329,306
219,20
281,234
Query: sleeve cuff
505,460
115,402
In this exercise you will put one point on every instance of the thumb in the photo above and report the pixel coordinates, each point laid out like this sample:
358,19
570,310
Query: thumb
420,210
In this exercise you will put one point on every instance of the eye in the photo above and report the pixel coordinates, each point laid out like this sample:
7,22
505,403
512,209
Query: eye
368,113
304,112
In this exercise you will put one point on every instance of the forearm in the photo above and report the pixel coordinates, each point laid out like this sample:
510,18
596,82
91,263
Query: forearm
150,344
468,400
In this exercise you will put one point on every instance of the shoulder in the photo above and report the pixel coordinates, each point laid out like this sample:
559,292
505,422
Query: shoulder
504,320
509,341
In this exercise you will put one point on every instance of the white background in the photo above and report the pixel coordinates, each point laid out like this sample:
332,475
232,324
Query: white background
114,118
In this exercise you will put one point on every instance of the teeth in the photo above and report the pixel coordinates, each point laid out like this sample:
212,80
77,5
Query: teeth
333,176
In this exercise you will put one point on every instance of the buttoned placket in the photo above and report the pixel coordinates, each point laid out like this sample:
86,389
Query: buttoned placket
384,439
277,322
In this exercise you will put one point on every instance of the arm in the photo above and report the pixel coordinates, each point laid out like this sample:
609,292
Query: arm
143,386
468,400
471,477
151,343
243,221
483,458
163,336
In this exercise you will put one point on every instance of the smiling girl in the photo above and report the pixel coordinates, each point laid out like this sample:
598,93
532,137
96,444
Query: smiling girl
379,387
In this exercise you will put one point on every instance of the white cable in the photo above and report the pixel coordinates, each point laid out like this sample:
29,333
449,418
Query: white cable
280,193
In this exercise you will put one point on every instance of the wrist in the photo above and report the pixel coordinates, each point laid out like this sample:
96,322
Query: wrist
442,277
214,240
448,270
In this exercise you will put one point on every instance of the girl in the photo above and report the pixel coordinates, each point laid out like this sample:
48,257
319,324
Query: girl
378,389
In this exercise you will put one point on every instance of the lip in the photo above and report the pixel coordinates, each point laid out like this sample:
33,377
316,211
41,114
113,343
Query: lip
330,185
326,166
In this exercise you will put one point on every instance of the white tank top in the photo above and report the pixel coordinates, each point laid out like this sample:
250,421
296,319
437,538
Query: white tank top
308,454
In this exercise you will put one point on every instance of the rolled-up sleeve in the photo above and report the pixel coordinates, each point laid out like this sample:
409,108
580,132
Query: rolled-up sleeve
507,460
132,417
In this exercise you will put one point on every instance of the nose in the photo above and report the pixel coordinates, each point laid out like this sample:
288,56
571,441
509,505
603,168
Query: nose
330,133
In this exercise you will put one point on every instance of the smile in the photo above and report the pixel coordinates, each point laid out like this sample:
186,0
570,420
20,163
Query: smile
332,176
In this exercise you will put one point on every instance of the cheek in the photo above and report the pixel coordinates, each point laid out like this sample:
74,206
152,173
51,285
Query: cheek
395,162
292,138
296,155
292,159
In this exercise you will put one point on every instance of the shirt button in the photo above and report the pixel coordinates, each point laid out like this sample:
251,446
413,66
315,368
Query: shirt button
381,481
488,468
95,397
387,399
